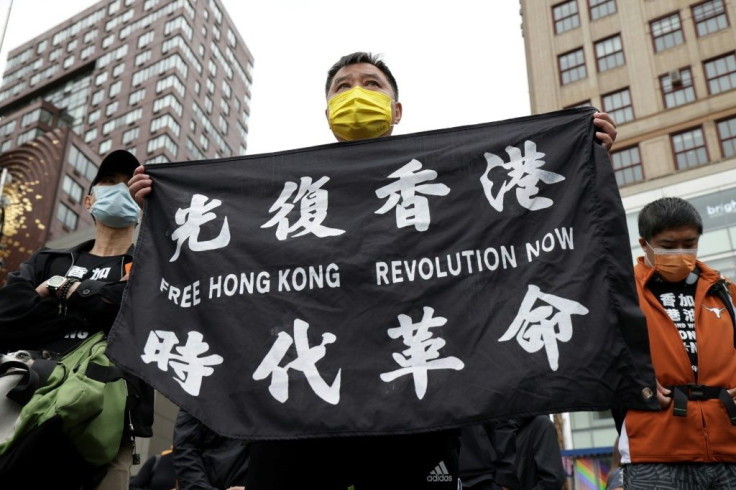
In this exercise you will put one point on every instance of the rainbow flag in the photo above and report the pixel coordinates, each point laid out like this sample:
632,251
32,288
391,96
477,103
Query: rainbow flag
590,474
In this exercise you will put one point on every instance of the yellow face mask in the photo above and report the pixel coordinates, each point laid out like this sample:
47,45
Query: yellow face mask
359,114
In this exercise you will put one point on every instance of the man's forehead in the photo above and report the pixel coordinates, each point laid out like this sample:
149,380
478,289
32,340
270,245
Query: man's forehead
359,70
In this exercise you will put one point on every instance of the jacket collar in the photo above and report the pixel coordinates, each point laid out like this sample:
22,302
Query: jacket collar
643,272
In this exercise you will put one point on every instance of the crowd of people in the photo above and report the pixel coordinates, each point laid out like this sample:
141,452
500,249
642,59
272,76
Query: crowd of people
58,298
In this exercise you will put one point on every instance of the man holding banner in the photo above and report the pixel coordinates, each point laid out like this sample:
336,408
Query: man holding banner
406,309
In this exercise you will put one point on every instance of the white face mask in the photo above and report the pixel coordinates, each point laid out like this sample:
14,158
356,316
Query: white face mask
114,206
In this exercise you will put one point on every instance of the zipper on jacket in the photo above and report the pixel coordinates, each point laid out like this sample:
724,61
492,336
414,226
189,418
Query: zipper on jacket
705,432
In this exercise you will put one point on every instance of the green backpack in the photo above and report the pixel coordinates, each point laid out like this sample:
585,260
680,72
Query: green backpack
87,393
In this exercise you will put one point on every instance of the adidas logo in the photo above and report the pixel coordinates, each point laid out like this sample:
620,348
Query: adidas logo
439,474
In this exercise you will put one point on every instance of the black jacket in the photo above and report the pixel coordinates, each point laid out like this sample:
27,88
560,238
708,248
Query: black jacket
28,321
488,455
205,460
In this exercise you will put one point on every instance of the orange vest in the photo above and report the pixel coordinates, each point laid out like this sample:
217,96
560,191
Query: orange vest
706,433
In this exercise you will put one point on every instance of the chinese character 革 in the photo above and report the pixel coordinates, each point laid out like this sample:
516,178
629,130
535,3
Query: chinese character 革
423,351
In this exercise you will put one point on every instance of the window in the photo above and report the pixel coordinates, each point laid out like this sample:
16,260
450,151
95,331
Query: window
142,57
130,135
204,142
90,35
136,96
210,86
72,45
192,126
87,52
197,87
81,164
106,42
28,136
566,16
168,101
677,87
72,189
145,39
618,106
115,88
572,66
171,81
6,146
93,117
68,217
90,135
212,68
226,90
689,148
53,55
627,166
601,8
224,107
721,74
111,108
222,124
68,61
8,128
609,53
165,121
208,105
162,141
709,17
101,78
231,37
105,146
42,46
667,32
118,70
727,135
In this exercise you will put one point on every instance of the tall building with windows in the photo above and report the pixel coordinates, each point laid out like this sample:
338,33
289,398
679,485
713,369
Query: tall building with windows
666,71
166,80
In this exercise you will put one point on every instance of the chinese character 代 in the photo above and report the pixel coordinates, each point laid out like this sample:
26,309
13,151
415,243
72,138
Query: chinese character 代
411,209
312,201
545,325
190,221
187,363
423,351
306,362
524,173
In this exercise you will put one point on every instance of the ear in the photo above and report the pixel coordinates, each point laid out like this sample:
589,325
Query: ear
87,201
643,244
397,112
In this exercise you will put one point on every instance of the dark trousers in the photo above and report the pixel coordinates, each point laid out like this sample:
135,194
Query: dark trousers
416,461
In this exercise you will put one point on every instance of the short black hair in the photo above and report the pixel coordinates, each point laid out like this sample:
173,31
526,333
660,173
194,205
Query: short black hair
667,213
362,57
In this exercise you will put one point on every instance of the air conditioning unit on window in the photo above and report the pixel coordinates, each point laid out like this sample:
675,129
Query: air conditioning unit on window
675,78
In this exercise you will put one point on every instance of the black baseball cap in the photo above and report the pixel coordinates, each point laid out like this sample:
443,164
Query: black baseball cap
117,162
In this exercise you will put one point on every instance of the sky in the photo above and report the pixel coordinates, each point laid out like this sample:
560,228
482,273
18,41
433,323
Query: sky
456,62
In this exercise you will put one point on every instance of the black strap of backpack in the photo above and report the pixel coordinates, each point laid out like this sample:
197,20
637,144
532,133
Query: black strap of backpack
682,393
34,377
103,374
720,289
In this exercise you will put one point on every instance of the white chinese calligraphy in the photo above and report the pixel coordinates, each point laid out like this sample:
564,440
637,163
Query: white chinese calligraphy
306,362
524,173
190,221
535,328
423,351
312,200
187,363
411,209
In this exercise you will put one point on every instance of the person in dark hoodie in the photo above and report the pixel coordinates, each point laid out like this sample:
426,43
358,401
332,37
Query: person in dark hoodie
58,299
205,460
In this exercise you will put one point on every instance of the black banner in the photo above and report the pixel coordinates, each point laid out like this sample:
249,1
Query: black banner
393,285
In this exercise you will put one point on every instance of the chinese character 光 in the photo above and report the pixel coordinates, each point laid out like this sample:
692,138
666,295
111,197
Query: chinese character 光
187,363
312,201
423,351
411,209
306,362
524,173
543,326
190,221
